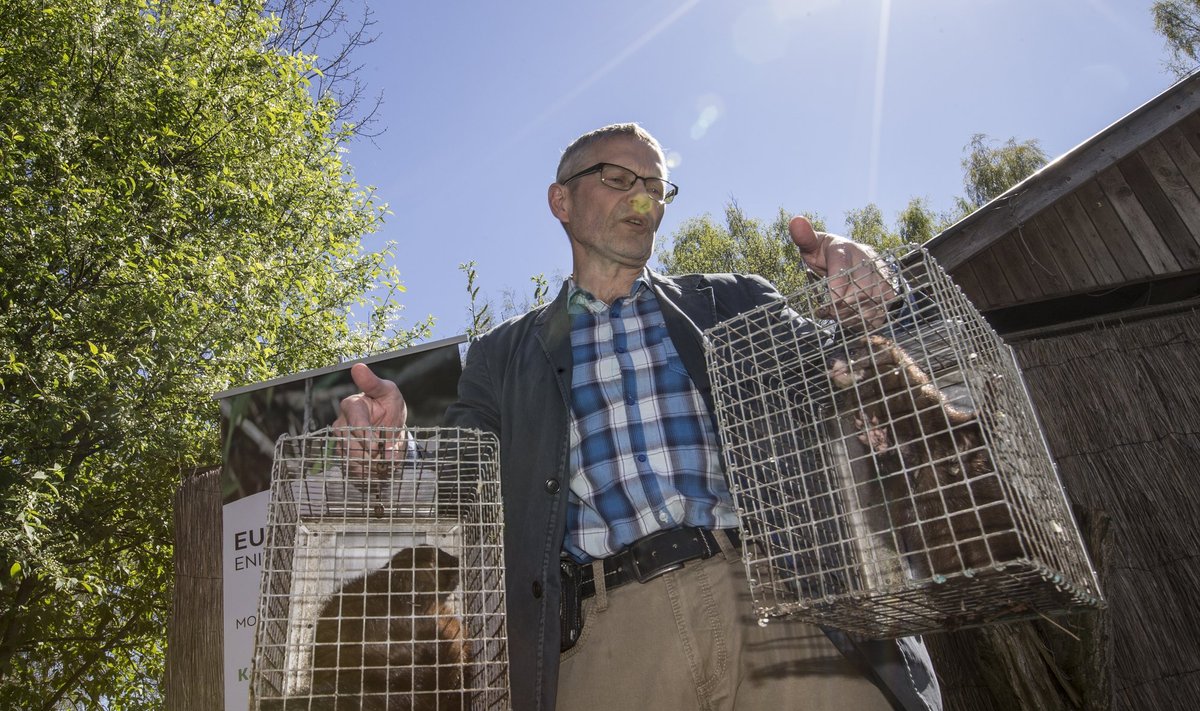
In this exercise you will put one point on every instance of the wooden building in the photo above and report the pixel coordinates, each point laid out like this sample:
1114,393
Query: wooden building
1091,270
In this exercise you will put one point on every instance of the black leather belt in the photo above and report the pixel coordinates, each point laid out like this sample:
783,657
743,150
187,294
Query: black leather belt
652,556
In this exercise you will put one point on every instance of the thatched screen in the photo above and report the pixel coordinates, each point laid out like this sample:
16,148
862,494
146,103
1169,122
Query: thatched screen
194,677
1121,409
1120,405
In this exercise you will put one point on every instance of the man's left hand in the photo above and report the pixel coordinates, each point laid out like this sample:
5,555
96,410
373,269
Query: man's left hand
858,289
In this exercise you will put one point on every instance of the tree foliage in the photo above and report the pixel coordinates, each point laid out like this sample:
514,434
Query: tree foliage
747,245
1179,22
177,220
513,303
989,170
867,226
918,223
742,244
330,31
478,308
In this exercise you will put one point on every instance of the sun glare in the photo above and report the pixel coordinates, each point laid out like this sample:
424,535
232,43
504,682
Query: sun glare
885,20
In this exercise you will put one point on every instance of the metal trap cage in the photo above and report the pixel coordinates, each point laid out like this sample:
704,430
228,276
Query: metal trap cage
888,469
383,577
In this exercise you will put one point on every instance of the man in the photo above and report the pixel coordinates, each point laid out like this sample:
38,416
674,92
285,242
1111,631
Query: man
610,461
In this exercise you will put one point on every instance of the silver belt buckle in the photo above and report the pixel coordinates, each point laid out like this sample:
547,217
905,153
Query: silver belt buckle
651,571
645,576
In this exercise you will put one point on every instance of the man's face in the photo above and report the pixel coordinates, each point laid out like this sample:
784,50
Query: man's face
605,224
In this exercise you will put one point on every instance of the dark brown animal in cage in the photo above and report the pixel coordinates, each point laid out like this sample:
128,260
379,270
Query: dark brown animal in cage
389,640
943,494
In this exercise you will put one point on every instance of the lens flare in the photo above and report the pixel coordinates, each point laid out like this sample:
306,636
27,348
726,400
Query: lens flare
708,116
710,107
885,21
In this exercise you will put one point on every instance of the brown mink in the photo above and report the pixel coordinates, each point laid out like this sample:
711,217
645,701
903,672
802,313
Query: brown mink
389,639
941,487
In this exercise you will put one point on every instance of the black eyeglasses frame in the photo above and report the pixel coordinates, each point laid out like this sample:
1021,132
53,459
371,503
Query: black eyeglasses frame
668,195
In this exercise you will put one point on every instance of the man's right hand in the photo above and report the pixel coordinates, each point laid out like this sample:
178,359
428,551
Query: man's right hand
379,405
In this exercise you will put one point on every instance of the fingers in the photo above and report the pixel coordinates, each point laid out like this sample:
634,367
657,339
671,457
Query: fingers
371,422
372,385
858,289
359,445
812,245
860,295
826,253
380,403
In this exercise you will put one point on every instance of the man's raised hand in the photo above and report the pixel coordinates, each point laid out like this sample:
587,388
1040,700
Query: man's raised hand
858,289
361,417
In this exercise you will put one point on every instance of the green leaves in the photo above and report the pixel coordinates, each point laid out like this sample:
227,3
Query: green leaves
177,220
743,244
989,169
1179,22
746,245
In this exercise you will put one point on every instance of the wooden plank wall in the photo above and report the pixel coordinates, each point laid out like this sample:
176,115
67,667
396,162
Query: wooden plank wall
1135,221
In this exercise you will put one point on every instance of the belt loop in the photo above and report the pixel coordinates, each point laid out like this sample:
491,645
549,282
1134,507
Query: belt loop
601,585
727,548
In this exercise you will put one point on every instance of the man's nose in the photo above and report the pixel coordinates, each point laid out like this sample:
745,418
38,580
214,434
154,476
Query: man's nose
641,201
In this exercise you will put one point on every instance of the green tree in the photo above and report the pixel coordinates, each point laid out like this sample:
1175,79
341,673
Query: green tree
1179,22
513,303
989,169
177,220
742,244
867,226
478,308
482,312
917,223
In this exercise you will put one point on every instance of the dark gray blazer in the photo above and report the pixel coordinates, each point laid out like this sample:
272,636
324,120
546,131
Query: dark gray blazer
517,384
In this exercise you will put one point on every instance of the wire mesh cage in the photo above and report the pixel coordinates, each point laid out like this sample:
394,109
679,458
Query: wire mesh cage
888,469
383,578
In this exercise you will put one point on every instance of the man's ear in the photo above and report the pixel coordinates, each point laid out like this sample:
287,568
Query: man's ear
560,201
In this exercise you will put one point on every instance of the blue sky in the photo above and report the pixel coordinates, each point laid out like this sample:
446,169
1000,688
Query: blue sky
811,105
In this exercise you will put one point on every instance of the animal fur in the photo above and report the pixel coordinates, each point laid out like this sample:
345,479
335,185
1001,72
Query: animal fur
389,640
942,491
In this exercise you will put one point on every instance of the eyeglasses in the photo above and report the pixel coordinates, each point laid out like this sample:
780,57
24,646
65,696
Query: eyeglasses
623,179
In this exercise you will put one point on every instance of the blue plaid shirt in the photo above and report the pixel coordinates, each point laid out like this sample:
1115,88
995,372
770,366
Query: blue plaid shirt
644,453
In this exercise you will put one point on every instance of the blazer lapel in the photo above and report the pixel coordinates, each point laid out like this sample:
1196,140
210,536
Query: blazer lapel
553,330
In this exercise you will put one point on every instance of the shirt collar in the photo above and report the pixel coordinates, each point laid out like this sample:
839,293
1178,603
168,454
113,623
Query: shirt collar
580,300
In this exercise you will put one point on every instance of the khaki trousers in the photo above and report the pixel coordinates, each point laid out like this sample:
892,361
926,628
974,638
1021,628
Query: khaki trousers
689,640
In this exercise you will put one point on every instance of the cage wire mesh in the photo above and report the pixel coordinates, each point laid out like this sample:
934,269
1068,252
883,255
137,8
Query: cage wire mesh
888,469
383,577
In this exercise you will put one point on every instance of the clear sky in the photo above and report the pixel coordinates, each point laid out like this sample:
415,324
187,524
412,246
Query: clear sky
810,105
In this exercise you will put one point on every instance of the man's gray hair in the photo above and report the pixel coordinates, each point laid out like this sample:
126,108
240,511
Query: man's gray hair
568,165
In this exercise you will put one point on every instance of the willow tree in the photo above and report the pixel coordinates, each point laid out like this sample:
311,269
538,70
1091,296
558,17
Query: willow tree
990,168
1178,21
177,219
